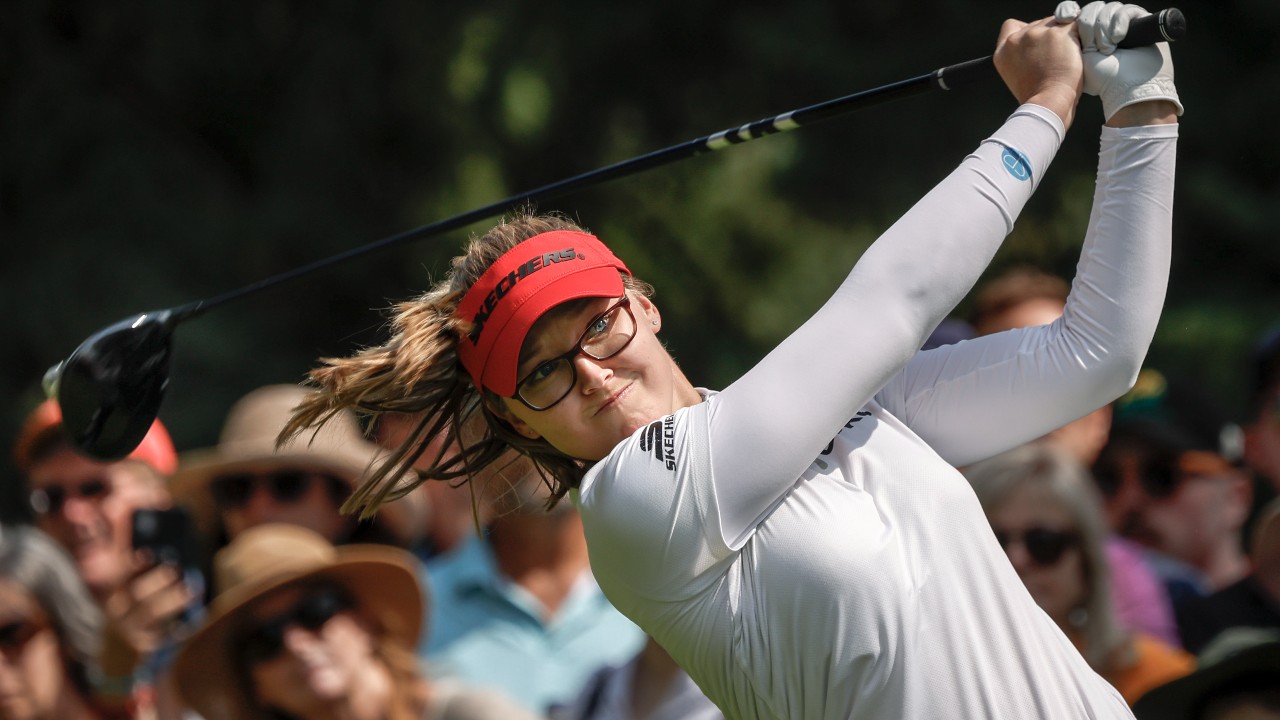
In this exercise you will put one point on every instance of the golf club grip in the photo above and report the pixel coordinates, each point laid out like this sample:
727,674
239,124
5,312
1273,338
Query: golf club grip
1165,25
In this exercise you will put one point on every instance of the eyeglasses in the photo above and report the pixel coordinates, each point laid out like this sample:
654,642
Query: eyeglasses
606,335
1045,546
312,612
50,500
233,491
15,635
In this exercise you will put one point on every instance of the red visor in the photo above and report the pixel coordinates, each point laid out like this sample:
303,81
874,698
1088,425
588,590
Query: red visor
521,286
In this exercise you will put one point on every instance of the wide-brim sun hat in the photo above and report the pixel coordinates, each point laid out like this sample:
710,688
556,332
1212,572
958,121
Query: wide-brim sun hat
381,580
248,444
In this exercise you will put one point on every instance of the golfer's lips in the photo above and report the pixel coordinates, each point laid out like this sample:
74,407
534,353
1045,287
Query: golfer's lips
613,399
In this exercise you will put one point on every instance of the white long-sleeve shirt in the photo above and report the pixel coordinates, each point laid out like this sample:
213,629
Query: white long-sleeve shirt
801,542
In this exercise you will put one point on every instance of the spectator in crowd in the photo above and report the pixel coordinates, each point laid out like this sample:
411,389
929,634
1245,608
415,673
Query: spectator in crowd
1238,678
247,481
303,629
1253,601
87,506
1171,481
50,630
650,686
453,513
1046,514
1028,297
518,608
1262,428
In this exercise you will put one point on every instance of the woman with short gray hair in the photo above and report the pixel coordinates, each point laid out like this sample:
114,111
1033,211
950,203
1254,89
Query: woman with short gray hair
50,630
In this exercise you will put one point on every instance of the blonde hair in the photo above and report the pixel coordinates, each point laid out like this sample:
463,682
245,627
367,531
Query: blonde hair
417,372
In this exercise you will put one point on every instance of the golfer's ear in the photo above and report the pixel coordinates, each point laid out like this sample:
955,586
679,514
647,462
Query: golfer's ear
499,408
648,314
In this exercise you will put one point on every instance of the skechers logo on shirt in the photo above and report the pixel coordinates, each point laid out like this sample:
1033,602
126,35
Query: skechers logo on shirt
660,439
1016,163
507,283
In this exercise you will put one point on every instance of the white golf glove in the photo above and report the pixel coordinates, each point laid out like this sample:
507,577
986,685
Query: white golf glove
1119,77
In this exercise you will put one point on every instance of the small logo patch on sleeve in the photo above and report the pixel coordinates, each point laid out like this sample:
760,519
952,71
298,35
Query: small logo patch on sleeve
1016,163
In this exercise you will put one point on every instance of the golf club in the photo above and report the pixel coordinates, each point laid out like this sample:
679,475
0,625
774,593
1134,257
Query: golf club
111,386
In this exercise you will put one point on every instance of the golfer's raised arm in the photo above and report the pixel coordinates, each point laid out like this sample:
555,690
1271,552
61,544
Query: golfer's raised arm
795,399
987,395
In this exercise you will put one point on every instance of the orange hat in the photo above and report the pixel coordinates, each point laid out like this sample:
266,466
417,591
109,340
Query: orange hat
156,449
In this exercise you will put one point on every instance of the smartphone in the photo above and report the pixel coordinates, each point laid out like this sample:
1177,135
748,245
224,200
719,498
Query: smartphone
168,533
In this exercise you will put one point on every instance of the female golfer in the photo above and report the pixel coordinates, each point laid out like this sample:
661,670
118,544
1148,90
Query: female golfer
800,541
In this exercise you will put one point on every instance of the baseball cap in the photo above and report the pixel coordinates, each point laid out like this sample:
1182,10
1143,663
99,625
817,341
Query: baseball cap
1175,416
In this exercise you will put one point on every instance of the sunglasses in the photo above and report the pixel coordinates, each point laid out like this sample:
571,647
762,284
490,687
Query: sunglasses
1158,480
233,491
50,500
15,635
1045,546
314,610
1161,476
608,334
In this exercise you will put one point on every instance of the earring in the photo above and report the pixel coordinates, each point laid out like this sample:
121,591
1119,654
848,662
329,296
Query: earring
655,322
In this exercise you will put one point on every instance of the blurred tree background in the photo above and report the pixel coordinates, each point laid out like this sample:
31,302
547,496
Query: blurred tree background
154,153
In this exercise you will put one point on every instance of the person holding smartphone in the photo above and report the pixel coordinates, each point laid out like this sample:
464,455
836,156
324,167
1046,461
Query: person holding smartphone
89,507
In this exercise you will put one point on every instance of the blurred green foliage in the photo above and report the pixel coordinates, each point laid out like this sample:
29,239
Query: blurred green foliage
154,153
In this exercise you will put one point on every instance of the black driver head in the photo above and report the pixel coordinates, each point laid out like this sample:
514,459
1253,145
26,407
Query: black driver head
110,388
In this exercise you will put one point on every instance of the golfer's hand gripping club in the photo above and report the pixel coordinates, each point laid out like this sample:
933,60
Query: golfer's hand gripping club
1119,77
1118,28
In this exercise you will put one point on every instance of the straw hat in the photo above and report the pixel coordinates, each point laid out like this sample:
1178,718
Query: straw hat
382,580
248,443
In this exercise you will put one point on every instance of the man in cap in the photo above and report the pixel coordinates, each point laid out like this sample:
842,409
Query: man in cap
1171,481
87,506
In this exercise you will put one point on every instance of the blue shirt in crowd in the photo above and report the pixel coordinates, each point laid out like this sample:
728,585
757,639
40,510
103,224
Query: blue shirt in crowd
489,632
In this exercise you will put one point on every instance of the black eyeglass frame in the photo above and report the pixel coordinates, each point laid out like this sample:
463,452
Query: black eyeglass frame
625,304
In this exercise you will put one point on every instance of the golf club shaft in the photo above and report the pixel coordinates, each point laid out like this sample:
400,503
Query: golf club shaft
1164,25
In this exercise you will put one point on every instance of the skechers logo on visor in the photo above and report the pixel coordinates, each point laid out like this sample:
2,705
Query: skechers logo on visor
508,283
